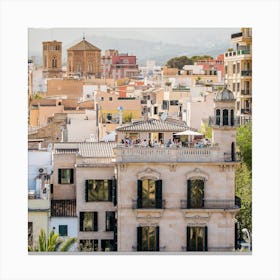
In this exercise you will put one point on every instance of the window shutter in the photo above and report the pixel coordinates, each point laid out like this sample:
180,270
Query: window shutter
189,194
205,238
159,194
95,221
51,189
157,238
71,176
86,191
202,184
59,176
188,238
81,220
139,194
139,239
110,190
114,191
115,235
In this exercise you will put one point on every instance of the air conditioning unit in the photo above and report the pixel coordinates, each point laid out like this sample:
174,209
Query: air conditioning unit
42,170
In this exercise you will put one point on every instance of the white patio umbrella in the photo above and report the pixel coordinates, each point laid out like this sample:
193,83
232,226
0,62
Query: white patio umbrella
189,132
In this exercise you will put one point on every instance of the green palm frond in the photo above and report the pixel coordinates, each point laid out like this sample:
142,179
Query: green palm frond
67,244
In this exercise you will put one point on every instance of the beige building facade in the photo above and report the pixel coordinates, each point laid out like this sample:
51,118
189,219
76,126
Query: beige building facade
238,71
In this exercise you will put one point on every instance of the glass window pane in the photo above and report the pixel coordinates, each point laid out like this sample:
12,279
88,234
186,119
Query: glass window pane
88,222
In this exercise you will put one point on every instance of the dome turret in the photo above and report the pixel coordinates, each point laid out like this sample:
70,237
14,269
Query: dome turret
224,95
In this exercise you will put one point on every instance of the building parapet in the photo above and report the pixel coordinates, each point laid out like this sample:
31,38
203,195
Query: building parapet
169,155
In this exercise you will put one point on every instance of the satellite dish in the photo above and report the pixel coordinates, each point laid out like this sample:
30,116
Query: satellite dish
163,116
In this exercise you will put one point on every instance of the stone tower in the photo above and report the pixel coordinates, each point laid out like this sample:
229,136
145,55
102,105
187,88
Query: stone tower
83,60
52,59
224,124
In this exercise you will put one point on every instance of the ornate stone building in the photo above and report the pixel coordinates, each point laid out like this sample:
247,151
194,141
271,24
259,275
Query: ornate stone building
52,59
83,60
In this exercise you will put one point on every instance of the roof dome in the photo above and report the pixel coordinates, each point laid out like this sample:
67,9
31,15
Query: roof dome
224,95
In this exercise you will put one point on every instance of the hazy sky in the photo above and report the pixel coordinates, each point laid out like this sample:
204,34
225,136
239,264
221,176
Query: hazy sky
180,36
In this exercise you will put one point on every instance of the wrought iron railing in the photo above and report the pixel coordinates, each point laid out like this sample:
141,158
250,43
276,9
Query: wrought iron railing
229,157
218,120
245,92
214,204
246,73
156,204
236,35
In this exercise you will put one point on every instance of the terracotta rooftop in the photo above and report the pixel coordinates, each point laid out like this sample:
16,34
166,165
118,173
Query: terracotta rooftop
43,102
153,125
89,104
83,46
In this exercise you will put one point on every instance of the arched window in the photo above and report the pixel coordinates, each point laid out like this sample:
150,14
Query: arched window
231,117
54,62
218,116
225,117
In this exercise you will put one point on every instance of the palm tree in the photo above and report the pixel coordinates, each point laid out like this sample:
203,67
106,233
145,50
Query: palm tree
52,243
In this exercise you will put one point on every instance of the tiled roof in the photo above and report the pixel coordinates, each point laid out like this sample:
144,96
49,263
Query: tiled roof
70,103
89,104
84,46
94,149
153,125
43,102
65,148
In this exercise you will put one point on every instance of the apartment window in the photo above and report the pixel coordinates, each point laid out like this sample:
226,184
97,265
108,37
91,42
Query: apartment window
238,67
149,193
148,238
155,110
99,190
238,87
195,193
66,176
88,221
174,102
110,221
63,230
231,117
165,104
233,86
88,245
197,238
233,68
110,98
108,245
226,69
30,233
238,105
101,98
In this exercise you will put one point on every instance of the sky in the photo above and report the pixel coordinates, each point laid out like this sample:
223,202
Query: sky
193,38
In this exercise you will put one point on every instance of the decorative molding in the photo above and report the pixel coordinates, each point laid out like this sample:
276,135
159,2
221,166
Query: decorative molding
148,173
197,173
172,167
149,214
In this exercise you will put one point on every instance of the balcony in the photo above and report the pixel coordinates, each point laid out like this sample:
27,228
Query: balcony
169,155
241,52
229,157
246,111
246,73
236,35
246,92
159,204
63,208
216,204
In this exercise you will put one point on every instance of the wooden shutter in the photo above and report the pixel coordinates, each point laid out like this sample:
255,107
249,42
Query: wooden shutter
86,191
114,191
115,235
202,184
188,237
110,190
157,238
205,239
189,194
139,239
139,194
81,220
159,194
71,176
59,176
95,221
